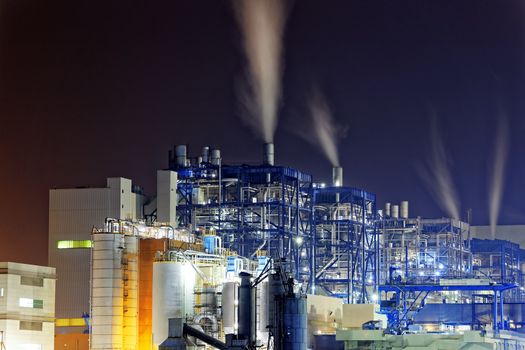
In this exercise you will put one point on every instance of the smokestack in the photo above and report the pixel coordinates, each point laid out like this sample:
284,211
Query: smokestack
387,209
395,211
337,176
215,157
205,153
268,154
403,210
181,155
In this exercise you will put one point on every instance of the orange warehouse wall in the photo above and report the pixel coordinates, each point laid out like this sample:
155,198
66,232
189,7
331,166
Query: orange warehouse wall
147,248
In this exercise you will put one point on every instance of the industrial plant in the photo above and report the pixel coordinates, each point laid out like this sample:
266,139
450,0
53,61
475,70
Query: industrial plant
264,256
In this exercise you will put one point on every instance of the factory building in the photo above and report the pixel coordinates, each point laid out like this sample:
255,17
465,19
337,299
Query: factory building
322,256
72,214
27,306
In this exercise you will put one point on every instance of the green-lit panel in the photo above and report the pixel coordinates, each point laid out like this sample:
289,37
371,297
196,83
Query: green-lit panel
74,244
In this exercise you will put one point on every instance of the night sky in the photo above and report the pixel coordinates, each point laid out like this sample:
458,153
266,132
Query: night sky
91,89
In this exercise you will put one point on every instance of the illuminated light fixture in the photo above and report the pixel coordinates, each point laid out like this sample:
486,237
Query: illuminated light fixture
80,244
323,185
299,240
421,273
374,298
441,266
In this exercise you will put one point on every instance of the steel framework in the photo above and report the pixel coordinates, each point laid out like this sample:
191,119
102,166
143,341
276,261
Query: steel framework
345,246
257,210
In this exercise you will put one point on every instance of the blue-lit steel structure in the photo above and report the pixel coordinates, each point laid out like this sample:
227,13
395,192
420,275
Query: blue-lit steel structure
256,209
501,261
345,245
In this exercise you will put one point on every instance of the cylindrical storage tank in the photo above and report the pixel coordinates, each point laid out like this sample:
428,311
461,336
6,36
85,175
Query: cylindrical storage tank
395,211
268,154
215,157
246,312
181,154
403,209
107,291
230,303
205,154
262,313
388,209
295,323
275,293
337,176
172,296
131,300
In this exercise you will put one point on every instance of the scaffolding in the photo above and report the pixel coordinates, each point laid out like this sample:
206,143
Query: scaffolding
345,245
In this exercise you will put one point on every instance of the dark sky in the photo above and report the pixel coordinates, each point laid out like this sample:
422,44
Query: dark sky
90,89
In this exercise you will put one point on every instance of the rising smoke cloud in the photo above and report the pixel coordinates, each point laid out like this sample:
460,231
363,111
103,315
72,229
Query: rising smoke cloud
437,176
497,176
326,130
262,25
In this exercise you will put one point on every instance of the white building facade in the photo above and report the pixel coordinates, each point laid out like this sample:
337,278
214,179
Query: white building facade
27,306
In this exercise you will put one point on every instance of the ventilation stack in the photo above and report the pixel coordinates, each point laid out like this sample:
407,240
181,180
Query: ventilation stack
268,154
337,176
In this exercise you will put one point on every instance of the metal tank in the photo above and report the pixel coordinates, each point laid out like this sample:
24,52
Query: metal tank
262,306
107,290
246,311
403,209
215,157
230,303
172,295
181,155
295,323
395,211
388,208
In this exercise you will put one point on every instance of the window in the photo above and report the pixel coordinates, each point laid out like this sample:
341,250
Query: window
32,281
74,244
29,347
30,326
31,303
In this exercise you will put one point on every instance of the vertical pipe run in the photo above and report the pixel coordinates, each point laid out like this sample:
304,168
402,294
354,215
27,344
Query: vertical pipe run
268,154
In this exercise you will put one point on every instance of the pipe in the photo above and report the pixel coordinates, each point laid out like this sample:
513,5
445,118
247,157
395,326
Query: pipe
208,339
337,176
268,154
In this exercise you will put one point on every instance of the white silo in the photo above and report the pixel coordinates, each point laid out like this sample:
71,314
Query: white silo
172,295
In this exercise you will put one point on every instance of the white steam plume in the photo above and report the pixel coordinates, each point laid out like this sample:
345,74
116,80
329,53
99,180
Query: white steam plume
437,176
326,130
262,25
497,177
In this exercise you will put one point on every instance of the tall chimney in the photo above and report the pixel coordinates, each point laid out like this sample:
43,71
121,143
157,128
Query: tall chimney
337,176
268,154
